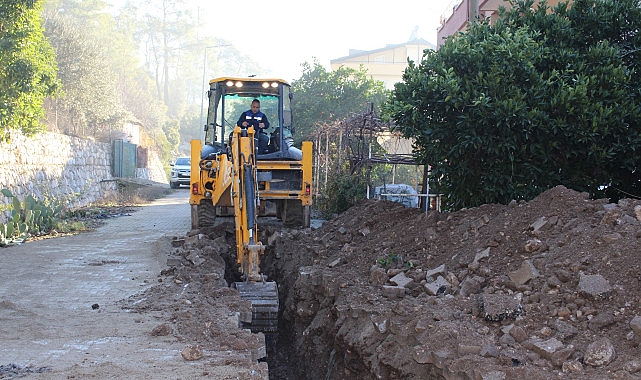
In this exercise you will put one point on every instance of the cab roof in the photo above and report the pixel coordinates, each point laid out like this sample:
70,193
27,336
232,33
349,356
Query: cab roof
248,79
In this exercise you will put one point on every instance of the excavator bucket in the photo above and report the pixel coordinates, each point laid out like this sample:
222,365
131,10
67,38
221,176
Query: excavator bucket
264,300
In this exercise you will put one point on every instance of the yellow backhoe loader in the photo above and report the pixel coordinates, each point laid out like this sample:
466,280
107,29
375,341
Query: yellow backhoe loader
230,176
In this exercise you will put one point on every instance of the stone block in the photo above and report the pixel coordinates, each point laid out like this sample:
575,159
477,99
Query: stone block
594,285
525,273
635,325
545,348
497,307
438,270
401,280
390,291
437,287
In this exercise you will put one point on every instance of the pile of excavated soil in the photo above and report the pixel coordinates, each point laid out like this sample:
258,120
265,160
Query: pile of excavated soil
546,289
539,290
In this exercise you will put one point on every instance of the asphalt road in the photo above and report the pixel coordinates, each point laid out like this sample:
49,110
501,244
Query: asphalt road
59,316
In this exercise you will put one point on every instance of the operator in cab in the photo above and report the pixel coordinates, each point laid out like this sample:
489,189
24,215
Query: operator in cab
254,118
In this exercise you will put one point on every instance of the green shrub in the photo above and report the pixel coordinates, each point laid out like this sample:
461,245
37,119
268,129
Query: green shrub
340,193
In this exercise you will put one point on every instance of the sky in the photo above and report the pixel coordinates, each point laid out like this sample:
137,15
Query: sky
282,34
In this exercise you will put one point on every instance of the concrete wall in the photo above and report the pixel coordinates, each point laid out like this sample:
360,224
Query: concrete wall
63,167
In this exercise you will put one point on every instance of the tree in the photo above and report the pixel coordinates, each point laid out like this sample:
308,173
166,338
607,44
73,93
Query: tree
89,105
509,110
322,96
28,72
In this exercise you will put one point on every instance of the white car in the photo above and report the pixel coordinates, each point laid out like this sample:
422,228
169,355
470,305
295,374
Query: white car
180,172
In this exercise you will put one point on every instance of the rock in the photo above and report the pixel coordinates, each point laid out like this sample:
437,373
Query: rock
635,325
336,262
192,353
507,340
380,322
637,212
480,255
480,222
421,354
533,245
161,330
564,330
493,375
518,334
633,366
401,280
497,307
195,241
173,261
490,351
471,285
600,321
377,275
563,312
195,259
439,270
599,353
594,285
468,349
612,237
572,366
538,224
525,273
421,325
560,356
393,291
437,287
545,348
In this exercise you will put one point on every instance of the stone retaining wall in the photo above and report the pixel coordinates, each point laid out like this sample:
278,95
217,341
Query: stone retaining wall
58,166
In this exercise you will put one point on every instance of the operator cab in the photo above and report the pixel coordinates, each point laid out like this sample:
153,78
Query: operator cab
230,97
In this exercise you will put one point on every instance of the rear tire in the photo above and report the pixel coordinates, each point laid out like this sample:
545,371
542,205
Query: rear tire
206,214
292,213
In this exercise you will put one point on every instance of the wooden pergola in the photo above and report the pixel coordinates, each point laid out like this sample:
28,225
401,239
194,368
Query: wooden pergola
354,139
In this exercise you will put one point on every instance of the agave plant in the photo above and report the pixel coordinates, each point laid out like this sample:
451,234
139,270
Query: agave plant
31,216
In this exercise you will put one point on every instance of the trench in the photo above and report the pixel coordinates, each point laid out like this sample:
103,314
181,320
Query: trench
310,343
284,359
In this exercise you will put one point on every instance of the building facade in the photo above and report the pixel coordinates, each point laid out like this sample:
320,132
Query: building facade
456,17
386,64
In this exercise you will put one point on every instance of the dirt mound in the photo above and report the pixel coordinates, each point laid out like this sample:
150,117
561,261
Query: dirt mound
547,289
540,290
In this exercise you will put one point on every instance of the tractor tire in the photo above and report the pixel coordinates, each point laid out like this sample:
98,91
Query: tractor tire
293,213
206,214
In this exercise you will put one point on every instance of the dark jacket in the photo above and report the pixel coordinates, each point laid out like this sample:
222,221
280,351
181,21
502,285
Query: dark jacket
253,119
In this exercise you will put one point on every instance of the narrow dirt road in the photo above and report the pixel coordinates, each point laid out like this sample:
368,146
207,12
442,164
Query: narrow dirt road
60,316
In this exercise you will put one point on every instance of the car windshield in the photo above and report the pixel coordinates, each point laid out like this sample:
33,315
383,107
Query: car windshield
182,161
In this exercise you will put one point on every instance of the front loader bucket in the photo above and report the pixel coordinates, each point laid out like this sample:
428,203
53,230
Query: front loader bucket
264,300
